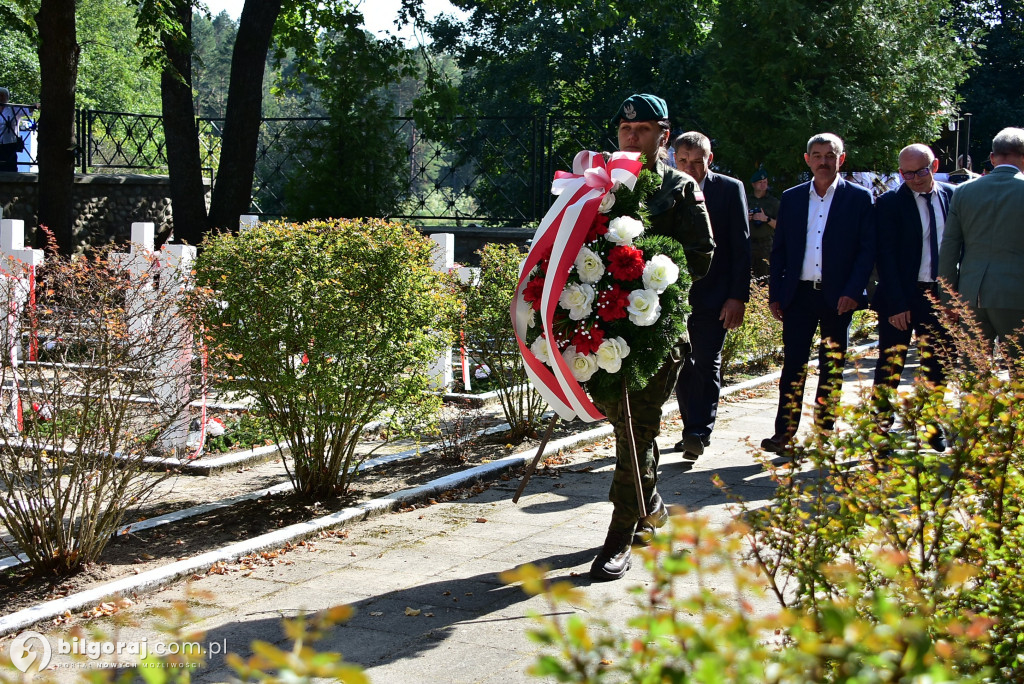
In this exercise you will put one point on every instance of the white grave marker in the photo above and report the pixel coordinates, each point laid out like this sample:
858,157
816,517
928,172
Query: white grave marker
444,260
18,280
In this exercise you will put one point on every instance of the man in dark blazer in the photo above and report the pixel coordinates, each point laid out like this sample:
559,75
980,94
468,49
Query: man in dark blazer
718,300
910,222
982,251
822,256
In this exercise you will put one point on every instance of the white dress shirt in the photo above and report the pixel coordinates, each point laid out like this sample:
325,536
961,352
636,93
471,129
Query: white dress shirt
817,217
924,275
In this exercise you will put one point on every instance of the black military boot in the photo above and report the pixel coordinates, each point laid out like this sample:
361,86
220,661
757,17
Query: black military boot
656,518
614,559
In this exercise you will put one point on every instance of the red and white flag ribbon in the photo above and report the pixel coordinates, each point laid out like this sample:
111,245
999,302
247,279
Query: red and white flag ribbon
562,233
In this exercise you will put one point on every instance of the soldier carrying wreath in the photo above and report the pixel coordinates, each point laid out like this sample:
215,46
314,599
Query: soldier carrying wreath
608,274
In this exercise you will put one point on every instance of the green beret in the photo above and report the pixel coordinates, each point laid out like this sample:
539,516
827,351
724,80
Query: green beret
759,175
642,107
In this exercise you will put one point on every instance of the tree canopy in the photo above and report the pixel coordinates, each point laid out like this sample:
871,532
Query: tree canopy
878,73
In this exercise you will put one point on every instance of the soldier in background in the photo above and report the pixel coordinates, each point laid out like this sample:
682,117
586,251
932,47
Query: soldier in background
763,209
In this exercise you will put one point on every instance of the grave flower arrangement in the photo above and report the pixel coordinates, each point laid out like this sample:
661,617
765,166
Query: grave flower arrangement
601,301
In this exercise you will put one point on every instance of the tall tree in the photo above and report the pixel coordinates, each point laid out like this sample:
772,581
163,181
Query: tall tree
879,73
188,196
297,24
58,70
992,93
571,61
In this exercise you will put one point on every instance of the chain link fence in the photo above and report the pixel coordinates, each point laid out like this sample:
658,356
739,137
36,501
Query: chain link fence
493,170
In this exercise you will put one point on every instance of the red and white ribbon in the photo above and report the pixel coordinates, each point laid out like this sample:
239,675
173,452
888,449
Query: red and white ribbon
563,232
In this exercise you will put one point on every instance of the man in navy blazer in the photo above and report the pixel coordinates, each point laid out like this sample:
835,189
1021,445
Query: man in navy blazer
910,222
822,256
718,300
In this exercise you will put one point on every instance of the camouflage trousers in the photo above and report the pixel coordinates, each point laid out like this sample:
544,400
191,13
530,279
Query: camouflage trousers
760,253
645,408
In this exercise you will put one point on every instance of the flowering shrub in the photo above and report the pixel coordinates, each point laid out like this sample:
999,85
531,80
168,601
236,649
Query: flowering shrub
329,326
684,631
948,524
73,469
489,333
626,292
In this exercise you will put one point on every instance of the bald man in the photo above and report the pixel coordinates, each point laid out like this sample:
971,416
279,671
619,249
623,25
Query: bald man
910,221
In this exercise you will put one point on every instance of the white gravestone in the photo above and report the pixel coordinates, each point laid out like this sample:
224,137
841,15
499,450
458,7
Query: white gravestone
172,263
17,278
444,260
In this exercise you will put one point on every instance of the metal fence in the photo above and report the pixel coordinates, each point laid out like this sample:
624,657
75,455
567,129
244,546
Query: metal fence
483,169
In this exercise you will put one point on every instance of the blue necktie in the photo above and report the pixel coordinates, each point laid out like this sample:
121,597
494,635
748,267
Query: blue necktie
933,238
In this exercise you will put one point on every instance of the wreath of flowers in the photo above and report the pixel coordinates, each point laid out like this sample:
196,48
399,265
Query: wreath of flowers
624,304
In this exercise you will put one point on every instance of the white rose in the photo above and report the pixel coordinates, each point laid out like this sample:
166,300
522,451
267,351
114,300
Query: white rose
623,230
644,308
589,266
607,202
578,300
583,366
610,354
541,350
659,273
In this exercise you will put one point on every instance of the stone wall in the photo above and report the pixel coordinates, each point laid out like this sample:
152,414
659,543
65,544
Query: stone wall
105,205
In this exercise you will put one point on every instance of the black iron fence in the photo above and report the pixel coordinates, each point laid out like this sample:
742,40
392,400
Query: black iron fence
481,169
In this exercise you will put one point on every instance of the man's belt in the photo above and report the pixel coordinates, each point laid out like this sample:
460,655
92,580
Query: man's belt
813,284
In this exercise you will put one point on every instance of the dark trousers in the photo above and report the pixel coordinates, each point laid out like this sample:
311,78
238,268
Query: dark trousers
700,380
932,341
799,323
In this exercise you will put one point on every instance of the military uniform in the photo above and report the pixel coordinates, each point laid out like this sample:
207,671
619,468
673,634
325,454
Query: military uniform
677,211
761,232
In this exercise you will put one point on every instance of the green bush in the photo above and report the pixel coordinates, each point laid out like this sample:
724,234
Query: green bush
329,326
491,337
686,631
949,524
757,344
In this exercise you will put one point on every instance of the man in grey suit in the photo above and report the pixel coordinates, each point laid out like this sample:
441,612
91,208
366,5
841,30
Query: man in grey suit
982,251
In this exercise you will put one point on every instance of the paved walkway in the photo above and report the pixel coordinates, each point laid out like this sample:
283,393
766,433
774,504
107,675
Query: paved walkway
444,560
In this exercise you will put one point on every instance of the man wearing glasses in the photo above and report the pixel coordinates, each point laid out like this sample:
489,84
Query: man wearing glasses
822,256
910,222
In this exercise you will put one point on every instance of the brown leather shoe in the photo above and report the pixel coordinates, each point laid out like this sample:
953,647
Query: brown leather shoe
775,444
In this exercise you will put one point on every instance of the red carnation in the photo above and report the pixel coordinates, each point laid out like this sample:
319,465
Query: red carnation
533,291
587,341
611,304
626,263
598,228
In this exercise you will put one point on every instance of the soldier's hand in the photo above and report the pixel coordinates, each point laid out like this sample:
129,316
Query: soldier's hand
776,310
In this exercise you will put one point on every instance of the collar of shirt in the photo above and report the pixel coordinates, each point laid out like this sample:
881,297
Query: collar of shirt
828,191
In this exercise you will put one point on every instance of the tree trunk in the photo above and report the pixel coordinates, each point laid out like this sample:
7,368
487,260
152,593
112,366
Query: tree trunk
183,159
232,193
58,73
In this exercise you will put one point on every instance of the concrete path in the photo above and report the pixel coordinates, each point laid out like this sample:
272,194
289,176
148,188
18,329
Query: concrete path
443,561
